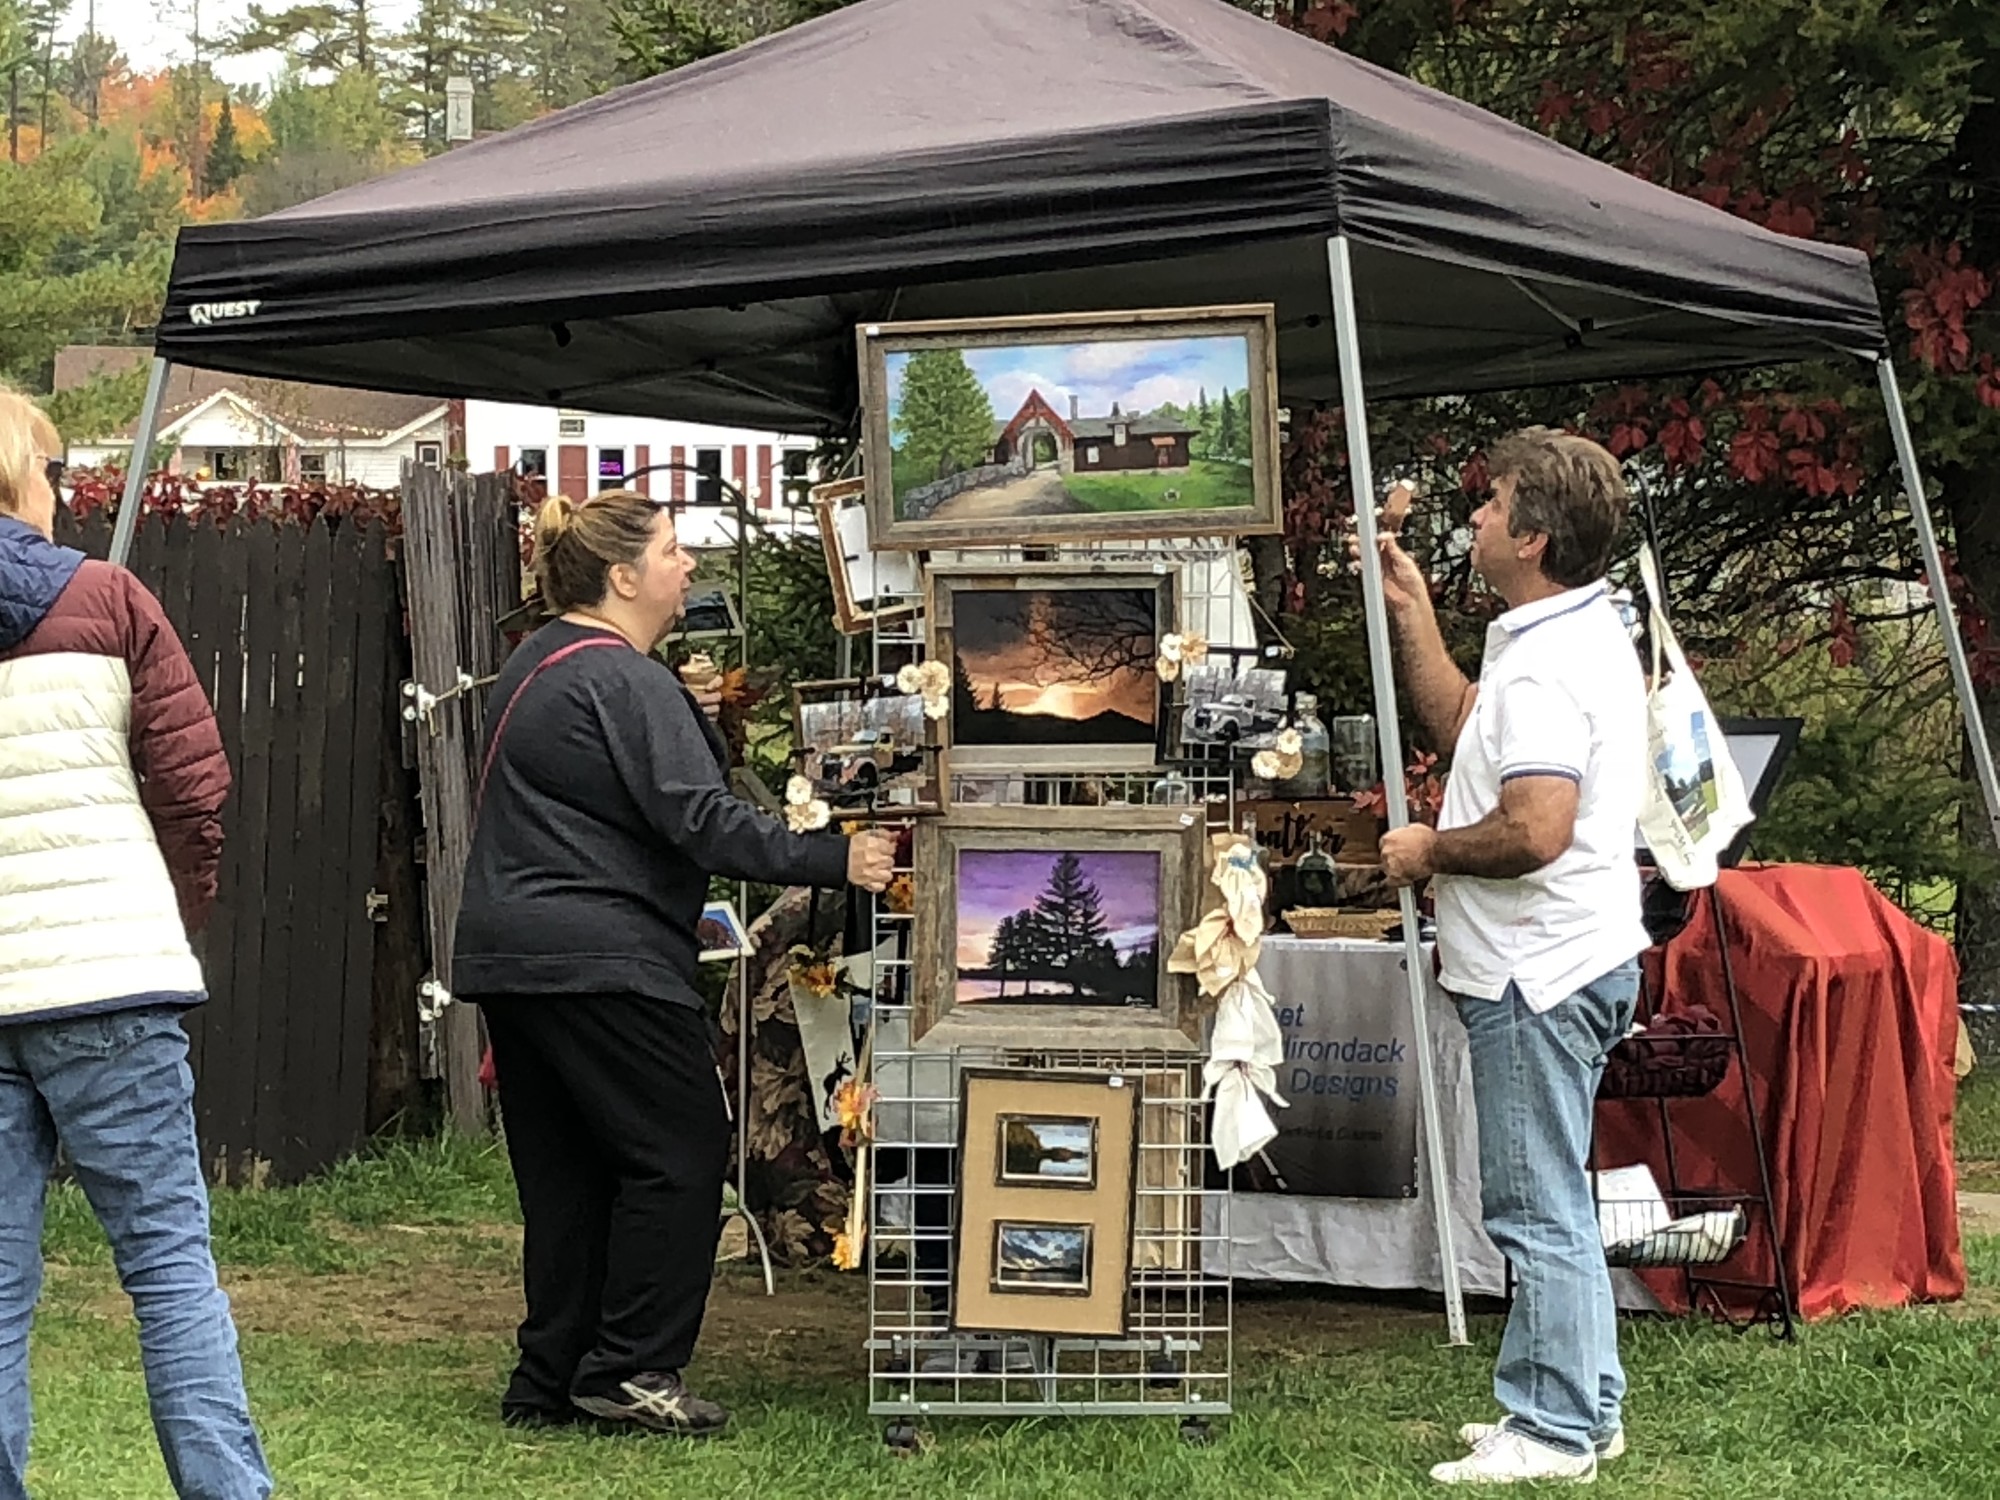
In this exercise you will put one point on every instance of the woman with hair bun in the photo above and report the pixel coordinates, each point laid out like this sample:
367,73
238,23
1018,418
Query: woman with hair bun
603,811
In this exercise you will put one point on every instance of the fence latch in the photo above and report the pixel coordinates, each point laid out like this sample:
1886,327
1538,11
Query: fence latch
421,703
432,998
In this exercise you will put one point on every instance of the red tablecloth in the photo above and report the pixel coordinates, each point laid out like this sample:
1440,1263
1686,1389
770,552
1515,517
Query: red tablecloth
1850,1017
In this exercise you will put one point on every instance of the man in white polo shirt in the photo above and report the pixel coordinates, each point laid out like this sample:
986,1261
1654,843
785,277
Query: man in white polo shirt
1538,920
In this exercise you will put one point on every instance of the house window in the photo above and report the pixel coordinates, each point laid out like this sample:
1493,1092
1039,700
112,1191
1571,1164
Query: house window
1118,435
535,463
708,481
431,454
610,468
798,475
312,468
1090,454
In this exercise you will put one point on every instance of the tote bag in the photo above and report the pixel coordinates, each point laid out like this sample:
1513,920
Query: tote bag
1695,802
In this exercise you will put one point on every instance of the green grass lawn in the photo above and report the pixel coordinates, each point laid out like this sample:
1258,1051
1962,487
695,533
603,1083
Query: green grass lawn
1204,485
377,1309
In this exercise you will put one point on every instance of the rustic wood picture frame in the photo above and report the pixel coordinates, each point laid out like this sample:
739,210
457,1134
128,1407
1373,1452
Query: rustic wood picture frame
849,617
938,1021
1256,323
946,582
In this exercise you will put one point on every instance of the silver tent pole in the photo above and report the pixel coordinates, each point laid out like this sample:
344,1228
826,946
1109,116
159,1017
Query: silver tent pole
1954,645
1347,331
127,525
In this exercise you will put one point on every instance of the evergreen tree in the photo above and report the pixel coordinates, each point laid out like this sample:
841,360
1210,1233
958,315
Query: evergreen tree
1228,426
1071,913
225,153
945,420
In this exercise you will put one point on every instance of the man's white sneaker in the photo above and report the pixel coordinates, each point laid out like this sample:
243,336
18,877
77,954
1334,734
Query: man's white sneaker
1508,1458
1472,1434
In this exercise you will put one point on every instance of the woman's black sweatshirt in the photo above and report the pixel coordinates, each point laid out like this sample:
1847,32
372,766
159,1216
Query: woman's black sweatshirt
605,812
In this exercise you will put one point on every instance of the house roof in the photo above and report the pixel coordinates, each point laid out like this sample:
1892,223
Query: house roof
310,413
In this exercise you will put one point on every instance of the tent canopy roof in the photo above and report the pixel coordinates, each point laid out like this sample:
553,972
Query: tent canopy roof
701,245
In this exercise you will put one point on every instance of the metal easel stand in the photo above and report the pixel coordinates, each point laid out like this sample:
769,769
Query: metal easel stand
1347,333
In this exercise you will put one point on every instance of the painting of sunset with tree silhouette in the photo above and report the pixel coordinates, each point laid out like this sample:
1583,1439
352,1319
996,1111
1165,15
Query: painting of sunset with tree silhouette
1071,666
1077,927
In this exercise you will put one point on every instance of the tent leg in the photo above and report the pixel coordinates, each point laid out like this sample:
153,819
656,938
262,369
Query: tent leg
1954,644
1347,330
127,525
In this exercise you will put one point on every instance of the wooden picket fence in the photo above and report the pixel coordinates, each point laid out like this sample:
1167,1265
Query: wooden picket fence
308,1036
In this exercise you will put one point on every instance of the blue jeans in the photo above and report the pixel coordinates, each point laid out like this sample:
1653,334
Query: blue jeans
1534,1085
115,1091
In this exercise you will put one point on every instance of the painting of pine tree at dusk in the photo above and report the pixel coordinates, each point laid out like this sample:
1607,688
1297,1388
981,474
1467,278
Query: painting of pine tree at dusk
1072,927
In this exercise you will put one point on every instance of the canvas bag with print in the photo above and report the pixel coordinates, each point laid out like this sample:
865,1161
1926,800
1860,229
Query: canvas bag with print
1695,803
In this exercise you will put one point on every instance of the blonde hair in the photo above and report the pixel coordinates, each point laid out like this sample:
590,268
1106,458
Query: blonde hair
578,544
27,437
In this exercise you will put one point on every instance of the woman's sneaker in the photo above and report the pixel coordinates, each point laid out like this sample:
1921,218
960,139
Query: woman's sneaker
658,1402
1472,1434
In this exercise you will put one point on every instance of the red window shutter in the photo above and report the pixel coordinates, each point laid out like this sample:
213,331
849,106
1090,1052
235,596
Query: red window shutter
739,468
680,457
763,476
573,471
643,458
501,459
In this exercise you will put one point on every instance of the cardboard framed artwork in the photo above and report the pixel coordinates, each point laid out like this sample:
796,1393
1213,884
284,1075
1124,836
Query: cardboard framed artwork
865,747
1069,427
1043,1236
860,576
1053,663
1052,925
721,933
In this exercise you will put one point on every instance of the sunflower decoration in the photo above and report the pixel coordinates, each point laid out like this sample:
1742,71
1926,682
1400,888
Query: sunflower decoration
932,679
1180,649
901,896
804,812
812,970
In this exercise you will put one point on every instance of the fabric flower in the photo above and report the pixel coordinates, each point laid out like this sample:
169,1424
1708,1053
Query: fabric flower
1194,648
798,792
1169,667
810,818
853,1106
936,707
908,681
1288,743
1264,765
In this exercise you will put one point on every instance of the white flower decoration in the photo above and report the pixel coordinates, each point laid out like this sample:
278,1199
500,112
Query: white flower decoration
936,707
809,818
1168,667
1170,647
1288,743
1264,765
908,679
1194,648
798,792
933,677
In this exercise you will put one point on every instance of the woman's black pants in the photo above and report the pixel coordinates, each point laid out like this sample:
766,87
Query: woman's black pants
619,1136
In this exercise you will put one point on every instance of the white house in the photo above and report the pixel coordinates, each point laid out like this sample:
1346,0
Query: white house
233,428
579,453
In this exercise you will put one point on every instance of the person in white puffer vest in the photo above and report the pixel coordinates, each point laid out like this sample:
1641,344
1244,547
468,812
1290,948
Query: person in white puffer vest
112,779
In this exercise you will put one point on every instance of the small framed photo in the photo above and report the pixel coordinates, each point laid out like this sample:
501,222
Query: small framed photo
1043,1232
1042,1258
1222,706
721,933
1000,431
864,746
869,587
1057,1151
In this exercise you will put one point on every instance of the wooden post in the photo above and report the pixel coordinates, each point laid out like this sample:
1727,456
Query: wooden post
463,567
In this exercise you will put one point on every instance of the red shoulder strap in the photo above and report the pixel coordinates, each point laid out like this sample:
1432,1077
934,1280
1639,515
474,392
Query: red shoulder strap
493,745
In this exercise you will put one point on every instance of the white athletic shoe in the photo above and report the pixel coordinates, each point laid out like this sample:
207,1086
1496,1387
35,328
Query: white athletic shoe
1472,1434
1508,1458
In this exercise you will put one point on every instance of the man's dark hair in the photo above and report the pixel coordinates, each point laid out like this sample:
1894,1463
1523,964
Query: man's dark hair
1569,489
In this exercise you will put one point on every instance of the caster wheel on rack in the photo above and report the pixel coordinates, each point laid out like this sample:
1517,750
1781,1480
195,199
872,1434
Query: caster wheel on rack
1196,1432
900,1437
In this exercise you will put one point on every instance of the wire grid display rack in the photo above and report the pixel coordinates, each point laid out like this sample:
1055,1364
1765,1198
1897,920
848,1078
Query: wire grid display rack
1175,1358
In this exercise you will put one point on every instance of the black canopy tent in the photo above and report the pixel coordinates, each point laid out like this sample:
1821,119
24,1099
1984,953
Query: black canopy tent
703,244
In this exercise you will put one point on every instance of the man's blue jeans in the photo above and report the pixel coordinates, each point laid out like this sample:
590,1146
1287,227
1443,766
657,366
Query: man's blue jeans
1534,1085
116,1092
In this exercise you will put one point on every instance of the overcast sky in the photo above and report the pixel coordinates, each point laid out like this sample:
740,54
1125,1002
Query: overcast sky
154,34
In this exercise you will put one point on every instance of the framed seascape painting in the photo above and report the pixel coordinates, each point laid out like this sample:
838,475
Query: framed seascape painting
1044,1227
997,431
1052,664
1052,926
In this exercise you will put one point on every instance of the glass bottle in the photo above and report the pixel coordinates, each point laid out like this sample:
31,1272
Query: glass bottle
1315,752
1319,881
